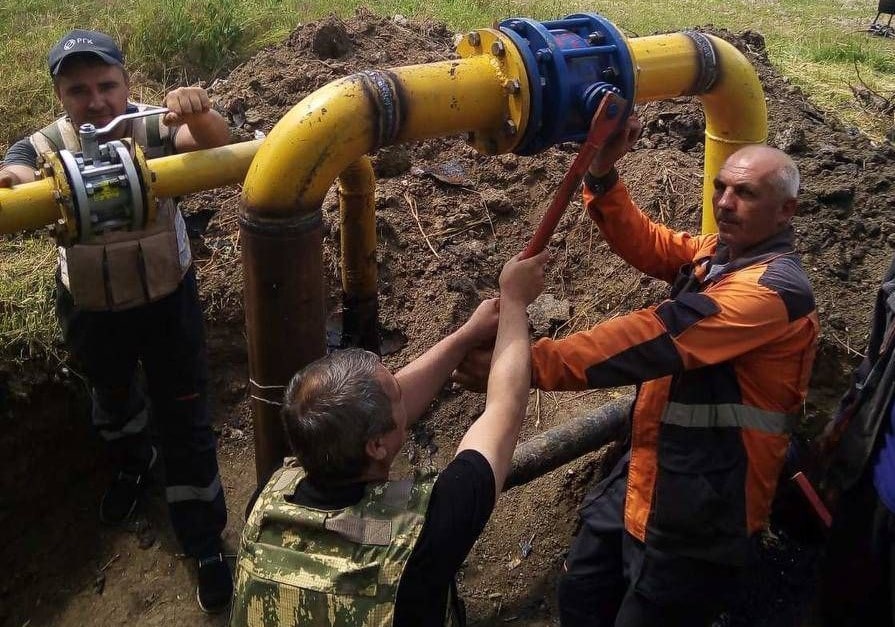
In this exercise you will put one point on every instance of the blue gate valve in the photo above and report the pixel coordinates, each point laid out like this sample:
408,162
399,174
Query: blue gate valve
571,64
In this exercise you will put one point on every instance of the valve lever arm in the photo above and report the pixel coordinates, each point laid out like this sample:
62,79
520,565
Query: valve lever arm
108,128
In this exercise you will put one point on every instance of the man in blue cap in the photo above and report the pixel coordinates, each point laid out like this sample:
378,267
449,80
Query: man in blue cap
128,298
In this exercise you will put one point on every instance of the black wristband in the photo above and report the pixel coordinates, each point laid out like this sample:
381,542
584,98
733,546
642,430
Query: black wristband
602,184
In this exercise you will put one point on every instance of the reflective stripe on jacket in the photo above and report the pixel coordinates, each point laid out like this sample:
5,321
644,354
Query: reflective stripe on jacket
303,566
123,269
722,369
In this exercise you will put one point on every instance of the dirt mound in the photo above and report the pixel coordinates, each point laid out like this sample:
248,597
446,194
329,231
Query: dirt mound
844,231
472,212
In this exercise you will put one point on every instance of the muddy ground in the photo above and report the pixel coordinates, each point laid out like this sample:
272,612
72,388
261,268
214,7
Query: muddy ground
62,568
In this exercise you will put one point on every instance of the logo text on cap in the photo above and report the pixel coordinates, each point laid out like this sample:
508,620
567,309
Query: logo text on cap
71,43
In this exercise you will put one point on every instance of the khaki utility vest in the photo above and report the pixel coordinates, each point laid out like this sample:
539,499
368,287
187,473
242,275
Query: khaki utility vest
123,269
303,566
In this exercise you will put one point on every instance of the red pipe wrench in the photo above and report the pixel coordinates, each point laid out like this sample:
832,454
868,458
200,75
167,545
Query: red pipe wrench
606,122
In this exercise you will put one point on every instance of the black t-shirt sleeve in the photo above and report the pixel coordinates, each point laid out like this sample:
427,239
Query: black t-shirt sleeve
21,153
461,503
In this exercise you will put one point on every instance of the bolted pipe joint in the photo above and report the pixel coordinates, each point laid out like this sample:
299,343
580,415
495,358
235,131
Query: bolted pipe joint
570,63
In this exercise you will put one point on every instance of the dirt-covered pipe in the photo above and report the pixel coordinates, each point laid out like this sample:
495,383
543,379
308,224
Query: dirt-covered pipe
560,445
357,213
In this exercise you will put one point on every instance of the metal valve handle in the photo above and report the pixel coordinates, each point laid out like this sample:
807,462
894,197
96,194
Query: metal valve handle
89,134
108,128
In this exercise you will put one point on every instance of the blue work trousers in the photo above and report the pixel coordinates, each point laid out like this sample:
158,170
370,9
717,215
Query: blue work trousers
167,339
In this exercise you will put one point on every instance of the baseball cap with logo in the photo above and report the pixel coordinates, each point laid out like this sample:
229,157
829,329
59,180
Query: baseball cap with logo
84,42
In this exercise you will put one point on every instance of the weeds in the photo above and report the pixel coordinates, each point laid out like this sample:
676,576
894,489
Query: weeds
177,42
27,324
847,52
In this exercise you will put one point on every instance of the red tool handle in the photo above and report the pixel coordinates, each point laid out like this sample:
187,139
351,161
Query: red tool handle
606,121
814,500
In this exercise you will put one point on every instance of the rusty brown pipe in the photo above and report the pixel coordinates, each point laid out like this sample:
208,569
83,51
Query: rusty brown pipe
284,297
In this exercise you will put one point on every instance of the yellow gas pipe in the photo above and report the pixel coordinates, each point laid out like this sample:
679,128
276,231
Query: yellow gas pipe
666,67
332,127
734,104
34,205
191,172
27,207
485,94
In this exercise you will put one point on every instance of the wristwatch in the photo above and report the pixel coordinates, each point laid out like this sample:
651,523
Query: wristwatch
599,185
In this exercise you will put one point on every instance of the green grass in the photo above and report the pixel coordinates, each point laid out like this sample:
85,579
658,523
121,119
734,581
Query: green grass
27,323
837,52
820,44
172,42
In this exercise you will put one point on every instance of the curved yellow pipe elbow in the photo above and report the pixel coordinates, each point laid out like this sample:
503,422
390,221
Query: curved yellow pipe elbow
673,65
311,145
735,115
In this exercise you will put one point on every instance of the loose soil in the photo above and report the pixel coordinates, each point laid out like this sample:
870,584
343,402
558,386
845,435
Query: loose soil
62,568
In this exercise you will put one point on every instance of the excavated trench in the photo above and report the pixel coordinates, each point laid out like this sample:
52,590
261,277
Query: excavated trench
65,569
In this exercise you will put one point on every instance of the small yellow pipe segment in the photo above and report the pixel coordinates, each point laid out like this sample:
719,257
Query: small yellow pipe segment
735,112
190,172
357,205
28,206
339,122
664,65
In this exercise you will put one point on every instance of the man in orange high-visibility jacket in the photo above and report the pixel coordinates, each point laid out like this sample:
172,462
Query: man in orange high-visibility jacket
722,369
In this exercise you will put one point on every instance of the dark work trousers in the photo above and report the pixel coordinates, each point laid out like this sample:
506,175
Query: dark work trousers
611,578
857,587
167,338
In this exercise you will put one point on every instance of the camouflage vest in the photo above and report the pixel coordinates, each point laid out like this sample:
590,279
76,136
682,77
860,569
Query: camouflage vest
303,566
123,269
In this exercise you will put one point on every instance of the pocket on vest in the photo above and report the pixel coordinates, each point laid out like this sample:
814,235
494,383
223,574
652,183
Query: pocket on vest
87,281
121,275
161,263
334,575
125,285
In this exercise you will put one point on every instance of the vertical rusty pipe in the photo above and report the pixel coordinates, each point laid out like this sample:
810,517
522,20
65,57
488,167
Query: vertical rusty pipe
357,208
285,321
